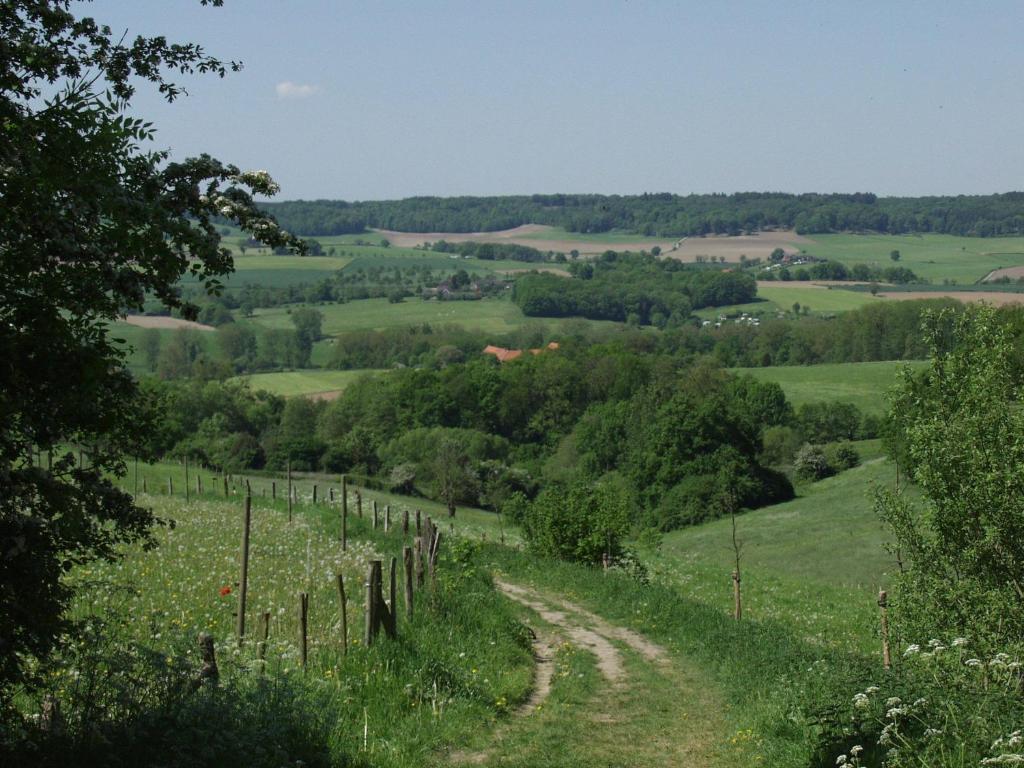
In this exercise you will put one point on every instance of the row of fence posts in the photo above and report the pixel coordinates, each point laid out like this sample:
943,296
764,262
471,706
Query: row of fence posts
419,563
378,614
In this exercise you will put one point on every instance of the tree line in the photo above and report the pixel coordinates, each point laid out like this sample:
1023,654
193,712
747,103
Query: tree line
665,214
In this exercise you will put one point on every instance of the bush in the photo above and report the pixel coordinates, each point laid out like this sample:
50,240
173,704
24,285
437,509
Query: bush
579,523
780,445
827,422
842,456
810,463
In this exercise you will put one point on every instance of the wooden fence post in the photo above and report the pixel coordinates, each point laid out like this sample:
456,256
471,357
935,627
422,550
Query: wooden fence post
407,562
263,633
343,606
405,522
243,584
199,485
387,518
359,504
344,512
883,606
273,490
418,524
374,514
432,562
303,627
289,491
314,493
170,485
373,578
226,494
330,494
737,600
417,556
186,479
393,605
208,672
144,485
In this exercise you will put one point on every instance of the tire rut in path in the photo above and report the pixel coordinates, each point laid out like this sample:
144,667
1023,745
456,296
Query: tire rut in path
597,638
604,729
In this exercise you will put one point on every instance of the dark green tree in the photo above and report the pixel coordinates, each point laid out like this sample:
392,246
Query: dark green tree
92,220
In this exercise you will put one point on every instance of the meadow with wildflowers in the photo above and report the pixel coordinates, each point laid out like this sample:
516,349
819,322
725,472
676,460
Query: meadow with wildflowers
125,684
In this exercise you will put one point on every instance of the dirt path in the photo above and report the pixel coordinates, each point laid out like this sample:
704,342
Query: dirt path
642,707
609,660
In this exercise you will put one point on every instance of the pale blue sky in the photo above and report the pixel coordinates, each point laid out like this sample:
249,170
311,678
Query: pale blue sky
390,99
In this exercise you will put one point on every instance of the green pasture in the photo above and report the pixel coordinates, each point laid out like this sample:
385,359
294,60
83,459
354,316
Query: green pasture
820,299
863,384
814,564
306,382
491,315
773,298
934,257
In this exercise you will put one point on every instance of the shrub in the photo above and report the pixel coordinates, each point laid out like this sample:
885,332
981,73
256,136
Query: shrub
580,523
810,463
842,456
780,445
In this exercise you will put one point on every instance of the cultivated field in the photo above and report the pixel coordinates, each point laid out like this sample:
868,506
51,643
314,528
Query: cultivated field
537,236
757,246
996,298
164,322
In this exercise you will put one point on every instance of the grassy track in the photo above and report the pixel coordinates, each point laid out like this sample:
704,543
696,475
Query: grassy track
292,383
935,257
863,384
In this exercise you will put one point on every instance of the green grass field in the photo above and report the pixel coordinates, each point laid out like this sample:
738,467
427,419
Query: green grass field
488,315
780,297
863,384
814,564
293,383
935,257
820,299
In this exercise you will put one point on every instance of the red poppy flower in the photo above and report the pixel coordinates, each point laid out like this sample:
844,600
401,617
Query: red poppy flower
224,591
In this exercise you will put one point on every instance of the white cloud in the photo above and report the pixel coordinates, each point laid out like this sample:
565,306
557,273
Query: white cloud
290,90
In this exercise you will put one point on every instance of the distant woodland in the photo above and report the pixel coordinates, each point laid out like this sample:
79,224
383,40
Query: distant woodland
664,214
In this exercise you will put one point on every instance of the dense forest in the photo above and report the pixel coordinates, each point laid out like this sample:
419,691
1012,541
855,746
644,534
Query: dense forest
480,431
636,288
665,214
